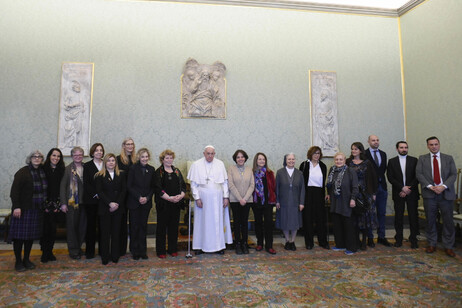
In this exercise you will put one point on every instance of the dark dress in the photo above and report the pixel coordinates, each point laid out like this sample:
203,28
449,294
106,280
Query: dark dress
290,193
123,223
90,204
110,190
140,183
367,182
50,217
168,213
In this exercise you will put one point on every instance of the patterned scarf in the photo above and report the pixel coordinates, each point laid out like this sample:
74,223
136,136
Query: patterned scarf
259,187
74,197
337,182
39,181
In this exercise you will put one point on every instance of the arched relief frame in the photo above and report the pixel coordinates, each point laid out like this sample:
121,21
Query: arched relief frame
75,105
323,109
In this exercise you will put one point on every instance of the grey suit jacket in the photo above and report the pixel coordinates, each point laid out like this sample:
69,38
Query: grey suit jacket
448,174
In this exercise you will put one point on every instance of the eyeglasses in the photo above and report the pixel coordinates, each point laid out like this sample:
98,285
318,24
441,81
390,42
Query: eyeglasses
37,157
77,155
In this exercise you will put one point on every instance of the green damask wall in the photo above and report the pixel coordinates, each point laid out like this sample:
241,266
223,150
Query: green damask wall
139,49
432,40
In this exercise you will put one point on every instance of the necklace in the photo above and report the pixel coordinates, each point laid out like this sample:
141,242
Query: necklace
241,170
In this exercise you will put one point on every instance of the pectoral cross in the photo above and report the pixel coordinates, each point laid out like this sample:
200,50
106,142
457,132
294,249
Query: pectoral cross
207,179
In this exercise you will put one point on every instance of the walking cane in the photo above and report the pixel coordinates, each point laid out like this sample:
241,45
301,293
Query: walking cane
189,255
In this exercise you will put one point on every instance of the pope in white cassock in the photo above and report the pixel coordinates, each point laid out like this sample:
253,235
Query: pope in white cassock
209,186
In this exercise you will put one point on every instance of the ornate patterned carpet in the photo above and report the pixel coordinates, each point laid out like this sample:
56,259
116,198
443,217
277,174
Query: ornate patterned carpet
380,277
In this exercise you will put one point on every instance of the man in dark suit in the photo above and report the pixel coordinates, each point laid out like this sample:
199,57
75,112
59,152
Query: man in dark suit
379,159
437,174
401,174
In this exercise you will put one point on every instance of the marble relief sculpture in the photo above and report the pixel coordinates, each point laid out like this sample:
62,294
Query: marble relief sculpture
203,90
323,88
75,106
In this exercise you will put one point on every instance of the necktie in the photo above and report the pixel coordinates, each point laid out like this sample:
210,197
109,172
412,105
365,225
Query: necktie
376,159
436,171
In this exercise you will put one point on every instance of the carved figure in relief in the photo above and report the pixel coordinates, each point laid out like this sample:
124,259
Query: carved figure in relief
203,88
325,121
74,109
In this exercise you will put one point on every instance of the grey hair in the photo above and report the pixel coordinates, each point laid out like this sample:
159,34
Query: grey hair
29,157
77,149
284,163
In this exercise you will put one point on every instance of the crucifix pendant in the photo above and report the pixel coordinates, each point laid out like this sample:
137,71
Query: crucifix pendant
207,179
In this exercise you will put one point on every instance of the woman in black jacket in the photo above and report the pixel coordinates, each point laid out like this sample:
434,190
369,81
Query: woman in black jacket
90,196
111,189
315,213
140,186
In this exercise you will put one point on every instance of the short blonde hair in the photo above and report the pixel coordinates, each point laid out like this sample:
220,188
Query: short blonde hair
165,153
140,152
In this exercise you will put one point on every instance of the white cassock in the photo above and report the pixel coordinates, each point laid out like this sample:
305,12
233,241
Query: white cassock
212,228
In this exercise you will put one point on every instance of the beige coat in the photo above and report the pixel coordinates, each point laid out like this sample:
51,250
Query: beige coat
240,186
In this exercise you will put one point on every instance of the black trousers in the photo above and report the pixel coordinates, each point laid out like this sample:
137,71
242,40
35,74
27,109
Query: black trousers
315,216
345,233
413,217
263,224
91,235
240,221
110,236
123,240
47,241
138,229
168,218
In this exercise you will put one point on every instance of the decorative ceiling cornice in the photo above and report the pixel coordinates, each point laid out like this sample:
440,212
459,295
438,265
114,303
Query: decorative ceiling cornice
307,6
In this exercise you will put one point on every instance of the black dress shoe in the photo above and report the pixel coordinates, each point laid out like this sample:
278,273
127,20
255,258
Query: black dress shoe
115,260
19,266
414,245
383,241
105,262
309,247
398,244
44,258
239,249
28,265
292,246
245,249
75,257
89,256
287,246
370,242
220,252
198,252
144,257
136,257
51,257
325,246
